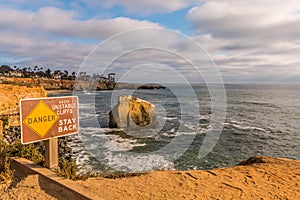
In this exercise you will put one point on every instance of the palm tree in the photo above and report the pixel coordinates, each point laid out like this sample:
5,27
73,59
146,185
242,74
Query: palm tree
25,72
48,73
66,74
35,68
74,75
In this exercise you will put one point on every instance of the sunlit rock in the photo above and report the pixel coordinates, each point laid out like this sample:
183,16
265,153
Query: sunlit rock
132,112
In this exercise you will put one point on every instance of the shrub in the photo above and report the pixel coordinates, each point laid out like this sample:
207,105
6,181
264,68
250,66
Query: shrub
5,121
5,172
27,151
67,169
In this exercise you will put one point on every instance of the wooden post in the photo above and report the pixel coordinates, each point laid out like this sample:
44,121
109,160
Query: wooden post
51,153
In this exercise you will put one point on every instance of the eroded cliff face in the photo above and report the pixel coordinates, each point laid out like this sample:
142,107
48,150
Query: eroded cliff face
49,84
57,84
132,112
10,96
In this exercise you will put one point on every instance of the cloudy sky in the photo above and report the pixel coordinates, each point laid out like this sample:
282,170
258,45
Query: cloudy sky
249,41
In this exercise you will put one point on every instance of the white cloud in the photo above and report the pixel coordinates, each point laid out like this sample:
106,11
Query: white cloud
29,50
53,37
244,18
252,40
65,23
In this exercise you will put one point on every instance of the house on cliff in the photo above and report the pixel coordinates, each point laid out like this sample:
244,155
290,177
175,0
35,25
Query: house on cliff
102,79
7,71
15,73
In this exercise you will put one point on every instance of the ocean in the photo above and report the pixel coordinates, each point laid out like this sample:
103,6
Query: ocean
260,119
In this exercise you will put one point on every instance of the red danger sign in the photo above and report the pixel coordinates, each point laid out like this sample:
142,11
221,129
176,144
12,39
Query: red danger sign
45,118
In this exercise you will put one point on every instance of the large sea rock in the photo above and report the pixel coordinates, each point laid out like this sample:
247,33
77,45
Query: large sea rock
132,112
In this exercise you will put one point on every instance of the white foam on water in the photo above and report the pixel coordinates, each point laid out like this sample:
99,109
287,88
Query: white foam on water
168,134
204,130
137,163
117,143
205,116
97,130
91,131
169,118
82,159
178,133
239,125
190,126
84,115
85,105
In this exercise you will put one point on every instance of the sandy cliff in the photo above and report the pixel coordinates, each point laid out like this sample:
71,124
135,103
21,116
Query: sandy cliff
257,178
10,96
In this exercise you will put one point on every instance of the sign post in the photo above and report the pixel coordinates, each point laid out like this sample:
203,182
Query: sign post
51,153
47,119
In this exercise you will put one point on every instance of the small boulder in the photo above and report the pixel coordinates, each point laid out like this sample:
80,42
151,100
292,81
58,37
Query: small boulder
132,112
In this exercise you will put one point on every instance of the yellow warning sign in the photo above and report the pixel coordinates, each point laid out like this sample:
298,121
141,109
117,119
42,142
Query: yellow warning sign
41,119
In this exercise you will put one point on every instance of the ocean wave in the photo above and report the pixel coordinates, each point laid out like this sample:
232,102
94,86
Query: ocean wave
97,130
170,118
190,126
86,105
137,163
239,125
85,115
117,143
185,133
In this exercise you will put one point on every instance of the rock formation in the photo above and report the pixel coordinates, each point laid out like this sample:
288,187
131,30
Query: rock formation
132,112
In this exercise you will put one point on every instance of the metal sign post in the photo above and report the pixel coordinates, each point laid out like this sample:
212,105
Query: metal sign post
47,119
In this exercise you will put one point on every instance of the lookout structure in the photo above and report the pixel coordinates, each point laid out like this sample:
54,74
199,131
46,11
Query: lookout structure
111,77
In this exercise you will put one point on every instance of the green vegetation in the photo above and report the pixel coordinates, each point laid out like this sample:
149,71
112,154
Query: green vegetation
5,172
67,169
116,175
16,150
4,119
34,72
27,151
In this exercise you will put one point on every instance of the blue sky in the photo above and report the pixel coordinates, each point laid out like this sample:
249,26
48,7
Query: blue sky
249,41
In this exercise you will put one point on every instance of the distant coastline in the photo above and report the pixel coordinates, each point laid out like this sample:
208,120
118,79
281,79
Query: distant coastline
65,86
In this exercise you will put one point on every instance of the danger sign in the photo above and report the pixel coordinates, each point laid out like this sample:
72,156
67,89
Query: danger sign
44,118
